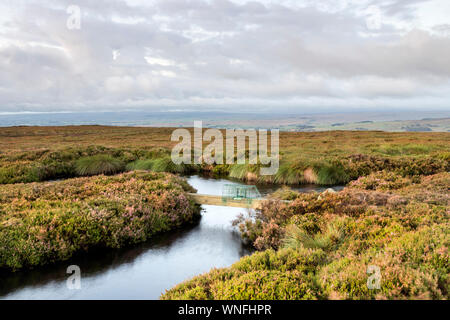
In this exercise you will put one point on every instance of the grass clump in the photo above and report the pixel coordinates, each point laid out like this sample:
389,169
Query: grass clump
287,174
146,164
164,164
99,164
239,171
331,173
44,153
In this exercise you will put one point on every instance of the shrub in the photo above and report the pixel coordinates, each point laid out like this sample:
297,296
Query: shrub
17,173
381,181
51,171
221,170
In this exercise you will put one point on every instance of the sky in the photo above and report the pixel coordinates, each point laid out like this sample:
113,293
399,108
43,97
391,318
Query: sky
229,55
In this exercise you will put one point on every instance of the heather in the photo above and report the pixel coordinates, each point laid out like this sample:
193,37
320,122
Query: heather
42,223
319,246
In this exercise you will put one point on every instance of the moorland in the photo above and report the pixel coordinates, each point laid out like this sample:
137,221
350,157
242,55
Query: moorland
70,189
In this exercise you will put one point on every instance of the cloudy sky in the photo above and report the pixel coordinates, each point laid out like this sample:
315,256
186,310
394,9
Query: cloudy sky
224,54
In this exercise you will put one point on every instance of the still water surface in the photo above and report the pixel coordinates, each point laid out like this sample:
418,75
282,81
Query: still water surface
147,270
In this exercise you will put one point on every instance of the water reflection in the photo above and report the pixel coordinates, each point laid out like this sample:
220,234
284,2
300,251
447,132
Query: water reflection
213,186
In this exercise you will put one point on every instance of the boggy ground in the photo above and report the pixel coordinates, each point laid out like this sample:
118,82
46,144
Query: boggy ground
320,246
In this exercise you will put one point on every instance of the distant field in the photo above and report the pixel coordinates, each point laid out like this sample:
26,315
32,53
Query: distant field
20,139
426,125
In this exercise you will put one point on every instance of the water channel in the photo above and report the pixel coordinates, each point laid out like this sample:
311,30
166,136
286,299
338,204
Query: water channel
147,270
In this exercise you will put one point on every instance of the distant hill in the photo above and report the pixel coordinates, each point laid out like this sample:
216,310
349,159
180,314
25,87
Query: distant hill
360,121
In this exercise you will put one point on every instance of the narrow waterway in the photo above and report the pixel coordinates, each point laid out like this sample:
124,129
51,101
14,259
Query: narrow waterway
144,271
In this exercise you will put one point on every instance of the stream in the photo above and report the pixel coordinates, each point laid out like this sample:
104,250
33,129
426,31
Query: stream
145,271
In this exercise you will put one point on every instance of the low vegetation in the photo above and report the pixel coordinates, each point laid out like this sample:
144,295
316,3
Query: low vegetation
393,213
320,245
31,154
41,223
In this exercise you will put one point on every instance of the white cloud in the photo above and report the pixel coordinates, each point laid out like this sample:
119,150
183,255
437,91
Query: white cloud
216,53
160,61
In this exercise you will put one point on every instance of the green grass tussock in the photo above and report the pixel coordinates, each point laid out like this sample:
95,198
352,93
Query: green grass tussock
164,164
287,174
332,174
239,171
297,238
99,164
146,164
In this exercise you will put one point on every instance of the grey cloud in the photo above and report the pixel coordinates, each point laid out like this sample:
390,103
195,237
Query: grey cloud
214,52
404,8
